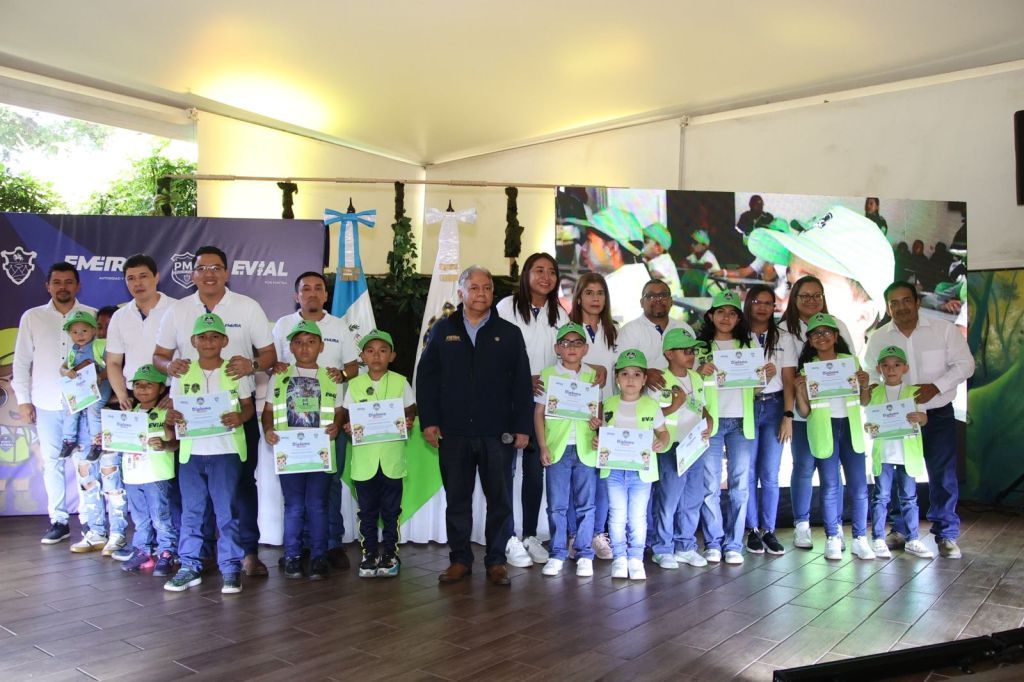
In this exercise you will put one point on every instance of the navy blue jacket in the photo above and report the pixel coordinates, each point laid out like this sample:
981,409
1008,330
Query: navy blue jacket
481,391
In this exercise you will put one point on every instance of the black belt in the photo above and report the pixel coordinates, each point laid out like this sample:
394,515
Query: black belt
764,397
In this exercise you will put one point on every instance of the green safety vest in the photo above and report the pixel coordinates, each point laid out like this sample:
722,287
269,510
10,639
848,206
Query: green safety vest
327,402
711,401
99,346
819,422
694,401
390,456
160,463
14,445
646,409
194,375
556,431
913,446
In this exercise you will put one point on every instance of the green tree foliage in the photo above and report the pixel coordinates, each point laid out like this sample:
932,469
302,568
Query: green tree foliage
136,193
22,130
22,193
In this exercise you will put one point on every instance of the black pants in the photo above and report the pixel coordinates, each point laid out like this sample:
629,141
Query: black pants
533,489
379,498
460,458
246,501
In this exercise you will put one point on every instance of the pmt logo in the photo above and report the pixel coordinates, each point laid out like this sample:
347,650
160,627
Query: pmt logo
96,263
18,264
181,269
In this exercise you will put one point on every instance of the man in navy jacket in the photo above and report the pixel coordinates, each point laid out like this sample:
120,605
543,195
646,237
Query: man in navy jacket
475,400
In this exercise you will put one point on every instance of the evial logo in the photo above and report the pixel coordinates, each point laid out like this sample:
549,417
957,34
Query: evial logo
18,264
181,269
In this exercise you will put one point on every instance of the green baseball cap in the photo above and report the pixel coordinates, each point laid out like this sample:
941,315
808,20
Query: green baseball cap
840,241
149,373
724,298
305,327
571,328
376,334
83,316
702,237
208,322
631,358
892,352
622,226
677,337
821,320
659,233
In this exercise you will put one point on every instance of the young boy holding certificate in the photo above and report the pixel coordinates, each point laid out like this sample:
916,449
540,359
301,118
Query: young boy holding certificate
378,451
565,417
680,495
211,454
901,459
86,349
148,478
304,400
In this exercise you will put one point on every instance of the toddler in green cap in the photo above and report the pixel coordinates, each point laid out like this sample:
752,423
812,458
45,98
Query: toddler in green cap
86,349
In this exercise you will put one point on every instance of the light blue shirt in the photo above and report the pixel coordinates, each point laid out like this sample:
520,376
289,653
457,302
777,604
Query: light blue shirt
472,329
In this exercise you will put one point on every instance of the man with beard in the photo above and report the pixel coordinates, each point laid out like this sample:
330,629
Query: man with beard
645,332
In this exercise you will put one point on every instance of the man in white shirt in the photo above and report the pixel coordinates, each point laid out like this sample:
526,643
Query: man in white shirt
940,360
341,358
645,332
248,330
40,349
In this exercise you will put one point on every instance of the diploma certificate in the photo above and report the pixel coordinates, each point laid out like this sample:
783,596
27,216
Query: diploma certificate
571,399
82,391
739,368
301,451
630,449
377,421
889,420
831,378
124,431
202,414
691,447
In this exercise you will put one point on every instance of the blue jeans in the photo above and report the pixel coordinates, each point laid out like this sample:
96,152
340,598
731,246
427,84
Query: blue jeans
627,513
906,491
801,483
49,427
77,430
571,479
600,509
726,534
101,492
206,479
939,436
677,502
151,511
765,461
305,508
855,473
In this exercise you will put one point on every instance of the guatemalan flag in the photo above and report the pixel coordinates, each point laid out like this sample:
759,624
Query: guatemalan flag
351,297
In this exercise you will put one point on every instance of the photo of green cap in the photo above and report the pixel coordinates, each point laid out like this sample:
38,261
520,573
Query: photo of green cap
208,322
892,352
376,334
631,357
571,328
678,337
149,373
821,320
83,316
305,327
724,298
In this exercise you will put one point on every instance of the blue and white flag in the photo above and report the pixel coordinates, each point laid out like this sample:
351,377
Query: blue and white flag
351,297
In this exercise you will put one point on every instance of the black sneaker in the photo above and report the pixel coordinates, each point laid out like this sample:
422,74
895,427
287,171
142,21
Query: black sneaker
368,566
140,560
771,543
895,540
754,544
67,449
232,583
58,532
94,453
164,564
183,579
319,568
387,566
293,567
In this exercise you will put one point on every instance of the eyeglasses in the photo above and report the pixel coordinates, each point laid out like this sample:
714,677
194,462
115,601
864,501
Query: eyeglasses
821,332
807,298
566,343
209,268
657,297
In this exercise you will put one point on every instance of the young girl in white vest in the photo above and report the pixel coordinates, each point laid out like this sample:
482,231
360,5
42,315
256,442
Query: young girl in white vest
678,497
835,436
148,477
377,469
304,396
899,460
210,466
629,491
568,455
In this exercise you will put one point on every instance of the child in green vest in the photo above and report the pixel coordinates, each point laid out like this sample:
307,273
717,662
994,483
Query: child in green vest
899,459
86,349
210,466
568,455
835,435
148,479
304,396
378,467
629,491
678,497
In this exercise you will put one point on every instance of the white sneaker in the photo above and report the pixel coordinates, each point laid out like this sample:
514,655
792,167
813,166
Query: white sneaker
881,549
602,546
713,556
691,558
584,568
918,548
733,557
116,542
620,568
92,542
552,567
636,569
515,554
666,561
834,548
862,549
536,550
802,536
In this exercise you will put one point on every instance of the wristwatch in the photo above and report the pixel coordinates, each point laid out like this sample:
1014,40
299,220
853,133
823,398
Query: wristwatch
255,365
788,413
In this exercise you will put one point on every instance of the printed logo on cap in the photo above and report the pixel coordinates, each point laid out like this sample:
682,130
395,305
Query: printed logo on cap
181,269
821,222
18,264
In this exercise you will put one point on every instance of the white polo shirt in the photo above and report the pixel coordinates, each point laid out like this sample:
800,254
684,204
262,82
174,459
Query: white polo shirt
599,352
643,335
134,336
339,344
538,335
41,348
